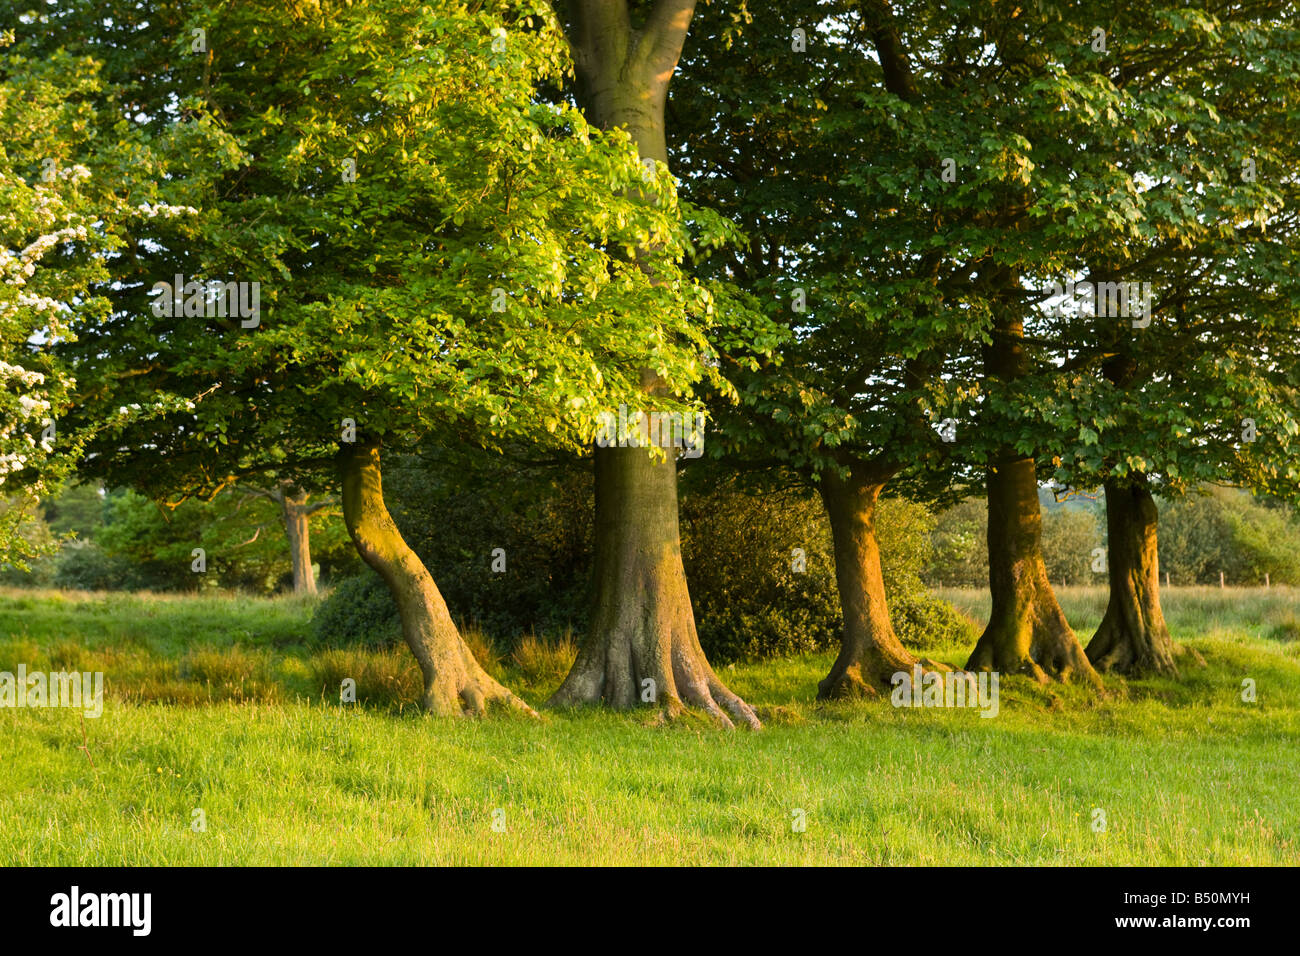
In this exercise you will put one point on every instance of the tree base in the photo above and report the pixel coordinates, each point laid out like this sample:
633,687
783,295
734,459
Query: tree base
1118,650
687,681
1133,638
869,677
642,647
462,688
1036,642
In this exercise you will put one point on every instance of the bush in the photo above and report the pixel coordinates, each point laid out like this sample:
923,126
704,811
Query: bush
88,567
358,613
750,604
1228,530
738,548
923,622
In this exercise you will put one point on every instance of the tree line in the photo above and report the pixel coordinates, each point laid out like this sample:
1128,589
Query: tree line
909,249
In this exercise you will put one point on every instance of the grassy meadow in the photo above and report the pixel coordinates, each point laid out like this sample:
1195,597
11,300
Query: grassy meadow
220,704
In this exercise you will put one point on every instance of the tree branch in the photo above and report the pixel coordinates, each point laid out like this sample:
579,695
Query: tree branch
660,44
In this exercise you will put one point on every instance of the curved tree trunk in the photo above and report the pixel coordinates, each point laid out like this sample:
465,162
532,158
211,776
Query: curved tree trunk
297,527
642,645
1133,638
1027,631
454,682
870,652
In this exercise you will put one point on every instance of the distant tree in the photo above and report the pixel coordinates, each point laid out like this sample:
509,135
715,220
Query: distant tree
1214,529
1176,361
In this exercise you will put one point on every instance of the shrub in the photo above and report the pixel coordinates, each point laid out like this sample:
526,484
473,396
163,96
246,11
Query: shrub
1230,531
358,613
88,567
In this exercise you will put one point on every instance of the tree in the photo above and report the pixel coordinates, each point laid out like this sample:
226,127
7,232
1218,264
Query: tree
49,238
795,125
431,246
1189,147
296,509
642,645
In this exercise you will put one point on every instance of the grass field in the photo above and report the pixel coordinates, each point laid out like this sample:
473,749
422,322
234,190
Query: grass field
219,704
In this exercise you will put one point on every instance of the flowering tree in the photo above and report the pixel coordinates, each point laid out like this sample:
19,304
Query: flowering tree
48,241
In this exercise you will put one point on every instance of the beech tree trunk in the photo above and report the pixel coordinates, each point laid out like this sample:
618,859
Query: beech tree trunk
297,527
454,682
641,646
1133,638
870,652
1027,631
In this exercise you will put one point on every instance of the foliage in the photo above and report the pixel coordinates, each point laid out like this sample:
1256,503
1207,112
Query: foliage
436,247
1227,530
50,227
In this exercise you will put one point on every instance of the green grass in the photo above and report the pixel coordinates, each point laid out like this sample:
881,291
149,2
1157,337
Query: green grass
220,703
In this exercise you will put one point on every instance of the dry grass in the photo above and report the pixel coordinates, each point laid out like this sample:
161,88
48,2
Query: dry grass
543,661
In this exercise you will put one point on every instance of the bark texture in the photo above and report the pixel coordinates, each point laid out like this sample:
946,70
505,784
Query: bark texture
641,646
870,651
454,682
1027,631
1133,638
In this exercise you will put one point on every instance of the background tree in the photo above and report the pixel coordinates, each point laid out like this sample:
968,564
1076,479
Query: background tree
1187,148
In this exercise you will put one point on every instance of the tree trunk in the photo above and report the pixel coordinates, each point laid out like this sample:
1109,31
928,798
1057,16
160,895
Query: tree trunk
1027,631
642,646
297,526
1133,638
870,652
454,682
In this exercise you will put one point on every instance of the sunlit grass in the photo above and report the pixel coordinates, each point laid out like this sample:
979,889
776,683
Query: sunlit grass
221,704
